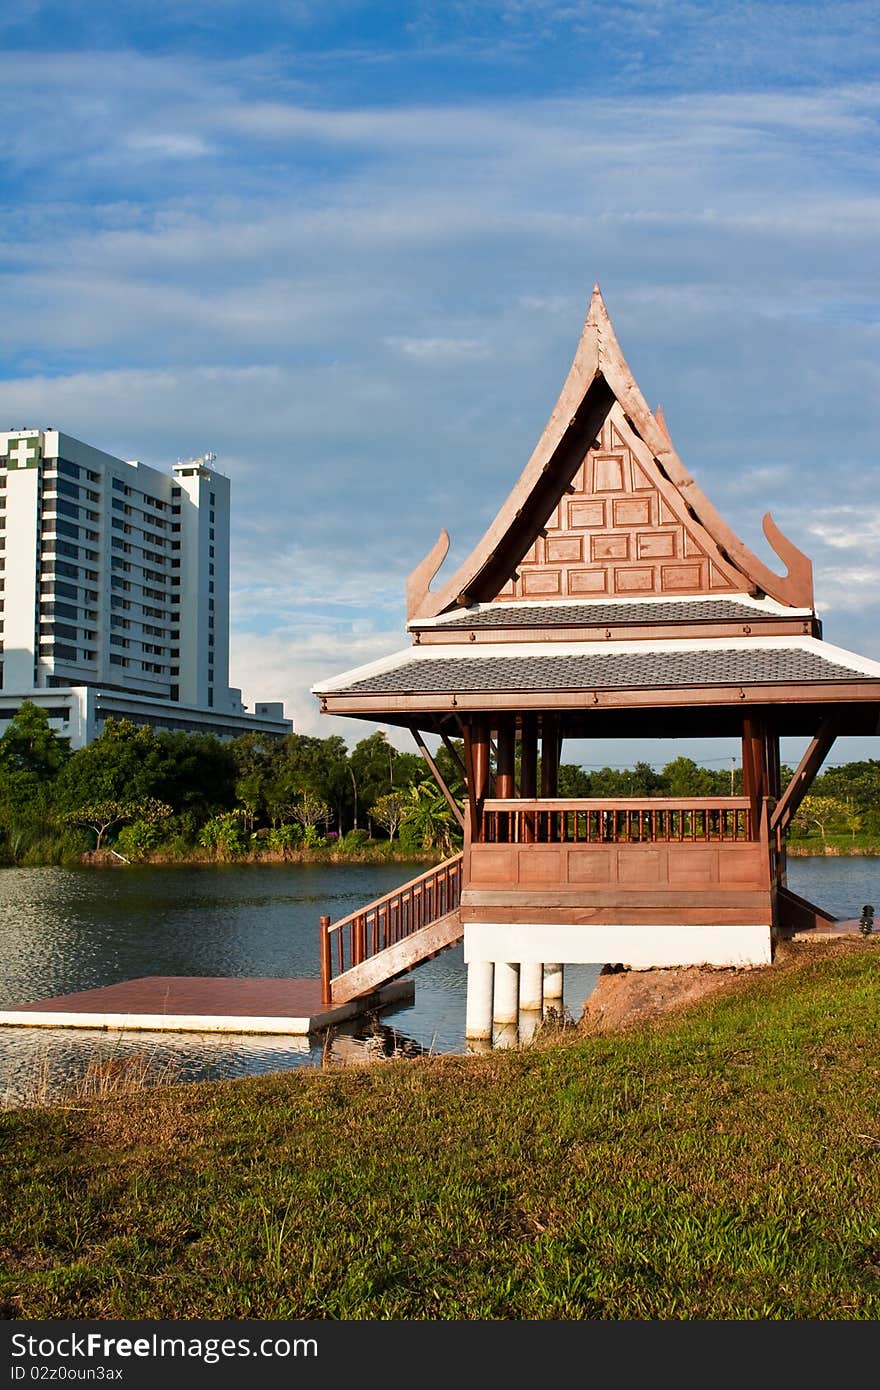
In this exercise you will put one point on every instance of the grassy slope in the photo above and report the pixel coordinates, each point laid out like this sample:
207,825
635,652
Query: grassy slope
722,1165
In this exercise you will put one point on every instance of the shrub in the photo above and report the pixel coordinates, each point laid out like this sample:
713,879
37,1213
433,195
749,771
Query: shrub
312,838
224,835
282,837
355,840
136,841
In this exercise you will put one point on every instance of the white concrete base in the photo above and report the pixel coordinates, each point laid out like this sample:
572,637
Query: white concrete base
638,947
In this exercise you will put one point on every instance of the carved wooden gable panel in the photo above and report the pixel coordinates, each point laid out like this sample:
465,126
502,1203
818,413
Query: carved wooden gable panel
623,530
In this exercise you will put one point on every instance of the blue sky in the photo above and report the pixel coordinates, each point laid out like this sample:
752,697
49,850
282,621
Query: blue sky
349,248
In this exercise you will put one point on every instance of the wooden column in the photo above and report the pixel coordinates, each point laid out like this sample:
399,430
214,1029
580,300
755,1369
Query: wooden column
528,770
476,754
505,764
774,777
549,754
754,760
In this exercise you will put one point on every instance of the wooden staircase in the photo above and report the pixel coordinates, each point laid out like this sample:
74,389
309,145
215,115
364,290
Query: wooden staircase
391,935
795,913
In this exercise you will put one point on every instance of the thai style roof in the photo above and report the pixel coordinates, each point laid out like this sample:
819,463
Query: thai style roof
608,581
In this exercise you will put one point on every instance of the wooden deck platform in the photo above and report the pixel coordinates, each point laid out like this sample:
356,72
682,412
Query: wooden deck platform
202,1004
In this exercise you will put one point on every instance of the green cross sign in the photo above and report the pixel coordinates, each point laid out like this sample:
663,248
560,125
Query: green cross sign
24,452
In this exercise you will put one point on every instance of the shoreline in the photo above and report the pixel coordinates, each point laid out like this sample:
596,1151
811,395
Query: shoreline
103,859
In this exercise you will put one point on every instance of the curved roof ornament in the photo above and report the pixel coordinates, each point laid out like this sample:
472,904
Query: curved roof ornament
599,376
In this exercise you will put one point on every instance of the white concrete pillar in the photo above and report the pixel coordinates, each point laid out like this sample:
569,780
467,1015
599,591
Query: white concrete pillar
506,993
553,988
480,986
506,1035
531,987
529,1023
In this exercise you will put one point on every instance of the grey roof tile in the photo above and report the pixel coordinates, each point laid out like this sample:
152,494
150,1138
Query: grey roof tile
605,614
607,670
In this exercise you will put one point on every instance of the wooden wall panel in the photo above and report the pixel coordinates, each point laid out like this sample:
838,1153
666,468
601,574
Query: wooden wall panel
619,531
698,882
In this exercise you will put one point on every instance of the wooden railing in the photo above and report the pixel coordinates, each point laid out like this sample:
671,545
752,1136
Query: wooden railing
621,821
388,920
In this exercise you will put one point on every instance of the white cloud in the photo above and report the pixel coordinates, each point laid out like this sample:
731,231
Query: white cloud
440,349
849,528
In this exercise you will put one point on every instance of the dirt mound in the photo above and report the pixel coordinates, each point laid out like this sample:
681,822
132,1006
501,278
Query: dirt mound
626,997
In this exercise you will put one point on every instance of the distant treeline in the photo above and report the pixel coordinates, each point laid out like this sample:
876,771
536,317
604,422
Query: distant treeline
177,795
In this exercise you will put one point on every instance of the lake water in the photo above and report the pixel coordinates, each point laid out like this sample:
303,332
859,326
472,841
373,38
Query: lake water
71,929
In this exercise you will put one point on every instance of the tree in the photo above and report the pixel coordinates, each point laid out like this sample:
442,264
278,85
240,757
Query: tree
427,817
31,757
101,816
572,781
117,766
310,810
316,765
683,777
389,810
859,783
194,773
820,811
450,765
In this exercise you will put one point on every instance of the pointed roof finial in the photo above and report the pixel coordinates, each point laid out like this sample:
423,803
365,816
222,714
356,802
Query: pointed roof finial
598,380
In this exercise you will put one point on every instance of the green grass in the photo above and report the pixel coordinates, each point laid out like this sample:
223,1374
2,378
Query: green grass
722,1165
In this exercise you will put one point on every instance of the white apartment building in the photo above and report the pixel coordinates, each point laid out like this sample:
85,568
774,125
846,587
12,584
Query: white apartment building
115,591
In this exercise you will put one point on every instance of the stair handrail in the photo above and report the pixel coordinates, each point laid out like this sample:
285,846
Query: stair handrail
448,872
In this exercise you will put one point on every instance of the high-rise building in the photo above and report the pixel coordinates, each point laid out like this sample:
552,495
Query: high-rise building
115,590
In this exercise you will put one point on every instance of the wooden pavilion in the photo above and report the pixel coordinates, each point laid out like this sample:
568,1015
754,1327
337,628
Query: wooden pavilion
608,599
